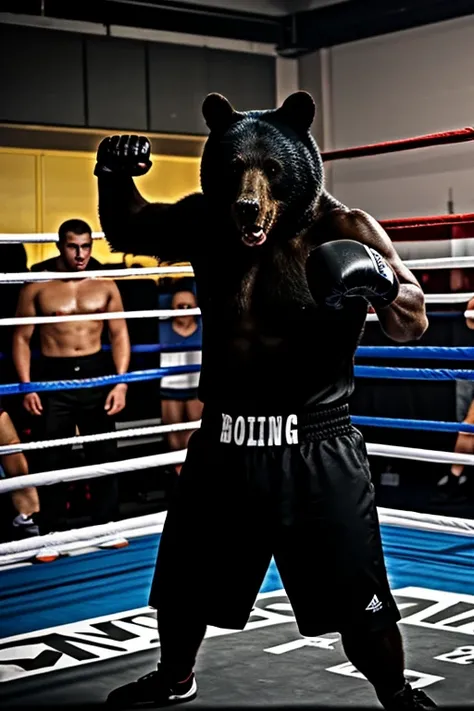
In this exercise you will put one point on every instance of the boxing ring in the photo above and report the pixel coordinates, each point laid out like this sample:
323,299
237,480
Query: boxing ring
78,626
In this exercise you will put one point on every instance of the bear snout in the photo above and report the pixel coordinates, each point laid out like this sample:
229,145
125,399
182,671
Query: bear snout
247,211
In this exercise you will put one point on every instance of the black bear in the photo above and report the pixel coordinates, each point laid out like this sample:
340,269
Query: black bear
284,276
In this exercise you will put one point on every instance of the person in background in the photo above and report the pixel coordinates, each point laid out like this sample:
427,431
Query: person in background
73,350
179,398
25,501
452,487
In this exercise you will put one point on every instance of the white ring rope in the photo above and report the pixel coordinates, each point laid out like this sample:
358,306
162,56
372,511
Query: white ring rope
65,541
440,263
420,455
17,277
66,318
178,457
427,522
100,437
91,471
19,238
449,298
171,313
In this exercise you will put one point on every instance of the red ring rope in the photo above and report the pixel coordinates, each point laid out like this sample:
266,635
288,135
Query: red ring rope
431,139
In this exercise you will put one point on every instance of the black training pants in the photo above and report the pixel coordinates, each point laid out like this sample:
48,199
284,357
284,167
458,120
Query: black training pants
63,411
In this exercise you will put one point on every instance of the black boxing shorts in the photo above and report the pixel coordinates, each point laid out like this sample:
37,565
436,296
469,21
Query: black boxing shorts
295,487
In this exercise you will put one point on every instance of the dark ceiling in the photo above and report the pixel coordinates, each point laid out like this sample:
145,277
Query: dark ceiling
292,34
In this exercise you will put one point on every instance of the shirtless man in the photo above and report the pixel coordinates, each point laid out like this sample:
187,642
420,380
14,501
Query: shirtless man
69,351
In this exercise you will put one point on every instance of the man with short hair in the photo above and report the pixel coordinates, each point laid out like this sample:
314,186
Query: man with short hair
69,351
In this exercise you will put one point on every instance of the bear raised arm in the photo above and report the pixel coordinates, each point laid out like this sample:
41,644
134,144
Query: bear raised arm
261,173
131,223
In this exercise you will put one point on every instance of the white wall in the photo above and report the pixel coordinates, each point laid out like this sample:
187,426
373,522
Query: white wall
396,86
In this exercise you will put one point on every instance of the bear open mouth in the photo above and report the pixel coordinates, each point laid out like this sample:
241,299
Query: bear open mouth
253,236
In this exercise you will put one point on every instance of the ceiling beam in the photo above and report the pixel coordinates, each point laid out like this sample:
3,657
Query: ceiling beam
292,35
153,15
352,20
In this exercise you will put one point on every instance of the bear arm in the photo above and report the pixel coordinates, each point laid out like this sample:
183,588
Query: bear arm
405,319
345,223
133,225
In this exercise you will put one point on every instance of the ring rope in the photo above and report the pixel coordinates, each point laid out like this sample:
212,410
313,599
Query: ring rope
178,457
402,144
157,313
404,352
91,471
16,277
360,420
62,542
377,371
103,316
132,377
440,263
417,352
434,314
23,277
409,223
425,425
77,537
99,437
361,371
19,237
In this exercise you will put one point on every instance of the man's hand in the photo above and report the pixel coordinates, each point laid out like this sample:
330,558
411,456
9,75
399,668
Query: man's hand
32,404
116,399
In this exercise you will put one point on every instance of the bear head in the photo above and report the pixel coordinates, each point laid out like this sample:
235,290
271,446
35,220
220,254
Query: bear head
263,168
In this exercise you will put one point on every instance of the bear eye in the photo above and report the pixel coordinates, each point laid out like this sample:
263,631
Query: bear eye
272,168
236,166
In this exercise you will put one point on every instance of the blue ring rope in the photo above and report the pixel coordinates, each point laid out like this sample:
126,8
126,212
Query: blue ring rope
376,371
417,352
133,377
361,371
402,352
398,423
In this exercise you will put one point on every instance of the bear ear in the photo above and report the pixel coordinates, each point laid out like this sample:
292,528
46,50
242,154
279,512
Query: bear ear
218,112
298,111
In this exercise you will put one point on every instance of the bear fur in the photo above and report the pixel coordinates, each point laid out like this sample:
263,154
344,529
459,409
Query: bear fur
247,235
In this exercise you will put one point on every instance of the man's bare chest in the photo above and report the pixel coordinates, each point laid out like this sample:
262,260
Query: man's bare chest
63,298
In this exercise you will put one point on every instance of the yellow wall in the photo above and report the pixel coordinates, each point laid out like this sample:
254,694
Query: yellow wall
41,189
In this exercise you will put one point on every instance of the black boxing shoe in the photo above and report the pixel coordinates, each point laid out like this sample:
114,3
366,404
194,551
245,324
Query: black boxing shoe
408,698
154,688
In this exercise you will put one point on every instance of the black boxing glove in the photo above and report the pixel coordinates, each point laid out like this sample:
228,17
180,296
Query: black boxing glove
344,269
127,155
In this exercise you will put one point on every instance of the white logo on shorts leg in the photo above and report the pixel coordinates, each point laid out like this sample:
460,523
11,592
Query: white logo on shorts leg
374,605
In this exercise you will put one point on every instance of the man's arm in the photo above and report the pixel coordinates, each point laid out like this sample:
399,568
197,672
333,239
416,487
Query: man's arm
118,332
25,500
405,318
120,345
470,321
21,350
